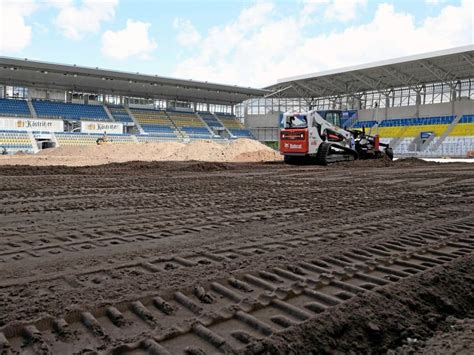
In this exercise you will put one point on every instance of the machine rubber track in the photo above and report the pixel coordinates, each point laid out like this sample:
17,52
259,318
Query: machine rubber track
327,155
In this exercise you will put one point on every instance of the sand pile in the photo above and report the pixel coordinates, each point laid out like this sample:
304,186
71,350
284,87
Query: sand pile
241,150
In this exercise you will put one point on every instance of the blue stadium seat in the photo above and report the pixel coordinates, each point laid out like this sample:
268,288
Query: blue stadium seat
366,124
14,108
467,119
70,111
120,114
195,130
421,121
154,128
210,120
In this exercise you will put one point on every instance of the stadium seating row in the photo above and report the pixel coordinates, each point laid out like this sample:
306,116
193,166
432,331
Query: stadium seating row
171,124
154,138
450,147
400,122
235,127
455,146
411,127
422,121
15,141
467,119
14,108
185,119
230,121
161,123
409,131
69,111
156,123
78,139
210,120
190,125
366,124
120,114
463,129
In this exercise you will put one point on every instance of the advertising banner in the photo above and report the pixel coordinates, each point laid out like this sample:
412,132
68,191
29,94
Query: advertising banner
101,127
31,124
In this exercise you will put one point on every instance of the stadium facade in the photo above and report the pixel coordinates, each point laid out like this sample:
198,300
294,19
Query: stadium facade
422,105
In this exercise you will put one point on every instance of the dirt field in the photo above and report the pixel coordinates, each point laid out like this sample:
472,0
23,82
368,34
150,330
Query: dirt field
169,258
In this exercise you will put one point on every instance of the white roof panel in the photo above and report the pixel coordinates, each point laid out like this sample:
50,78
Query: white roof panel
28,73
440,66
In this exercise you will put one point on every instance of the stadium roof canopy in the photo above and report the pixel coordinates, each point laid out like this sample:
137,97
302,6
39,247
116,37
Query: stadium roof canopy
442,66
41,75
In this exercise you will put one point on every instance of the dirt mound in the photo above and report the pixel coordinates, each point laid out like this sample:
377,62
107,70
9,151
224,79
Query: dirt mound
385,162
367,163
400,314
414,161
241,150
199,151
205,166
457,337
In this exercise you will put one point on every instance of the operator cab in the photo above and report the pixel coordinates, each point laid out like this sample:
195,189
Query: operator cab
296,121
333,117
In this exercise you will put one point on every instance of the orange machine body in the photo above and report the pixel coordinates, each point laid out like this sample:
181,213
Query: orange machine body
294,141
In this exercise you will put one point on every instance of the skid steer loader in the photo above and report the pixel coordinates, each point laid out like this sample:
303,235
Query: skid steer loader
319,137
103,140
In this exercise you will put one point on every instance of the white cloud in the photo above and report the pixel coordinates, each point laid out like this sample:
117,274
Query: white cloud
15,34
255,15
434,2
77,21
278,47
133,41
187,34
334,10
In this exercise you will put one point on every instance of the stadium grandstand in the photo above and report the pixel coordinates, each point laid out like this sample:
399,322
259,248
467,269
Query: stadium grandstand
421,105
46,105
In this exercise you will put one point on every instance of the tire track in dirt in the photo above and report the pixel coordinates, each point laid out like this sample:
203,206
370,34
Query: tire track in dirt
225,315
298,238
286,233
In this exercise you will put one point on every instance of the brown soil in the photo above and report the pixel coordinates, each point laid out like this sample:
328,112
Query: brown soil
190,257
416,161
455,336
405,313
205,166
240,150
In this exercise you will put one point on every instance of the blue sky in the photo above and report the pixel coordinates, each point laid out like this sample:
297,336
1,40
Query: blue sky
251,43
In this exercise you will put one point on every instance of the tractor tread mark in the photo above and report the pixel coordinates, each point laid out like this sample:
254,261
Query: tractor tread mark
242,309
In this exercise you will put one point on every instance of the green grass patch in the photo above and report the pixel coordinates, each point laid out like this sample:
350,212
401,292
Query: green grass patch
273,145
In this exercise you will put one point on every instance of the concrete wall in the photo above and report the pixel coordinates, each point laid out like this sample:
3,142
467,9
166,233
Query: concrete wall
266,134
268,120
465,107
